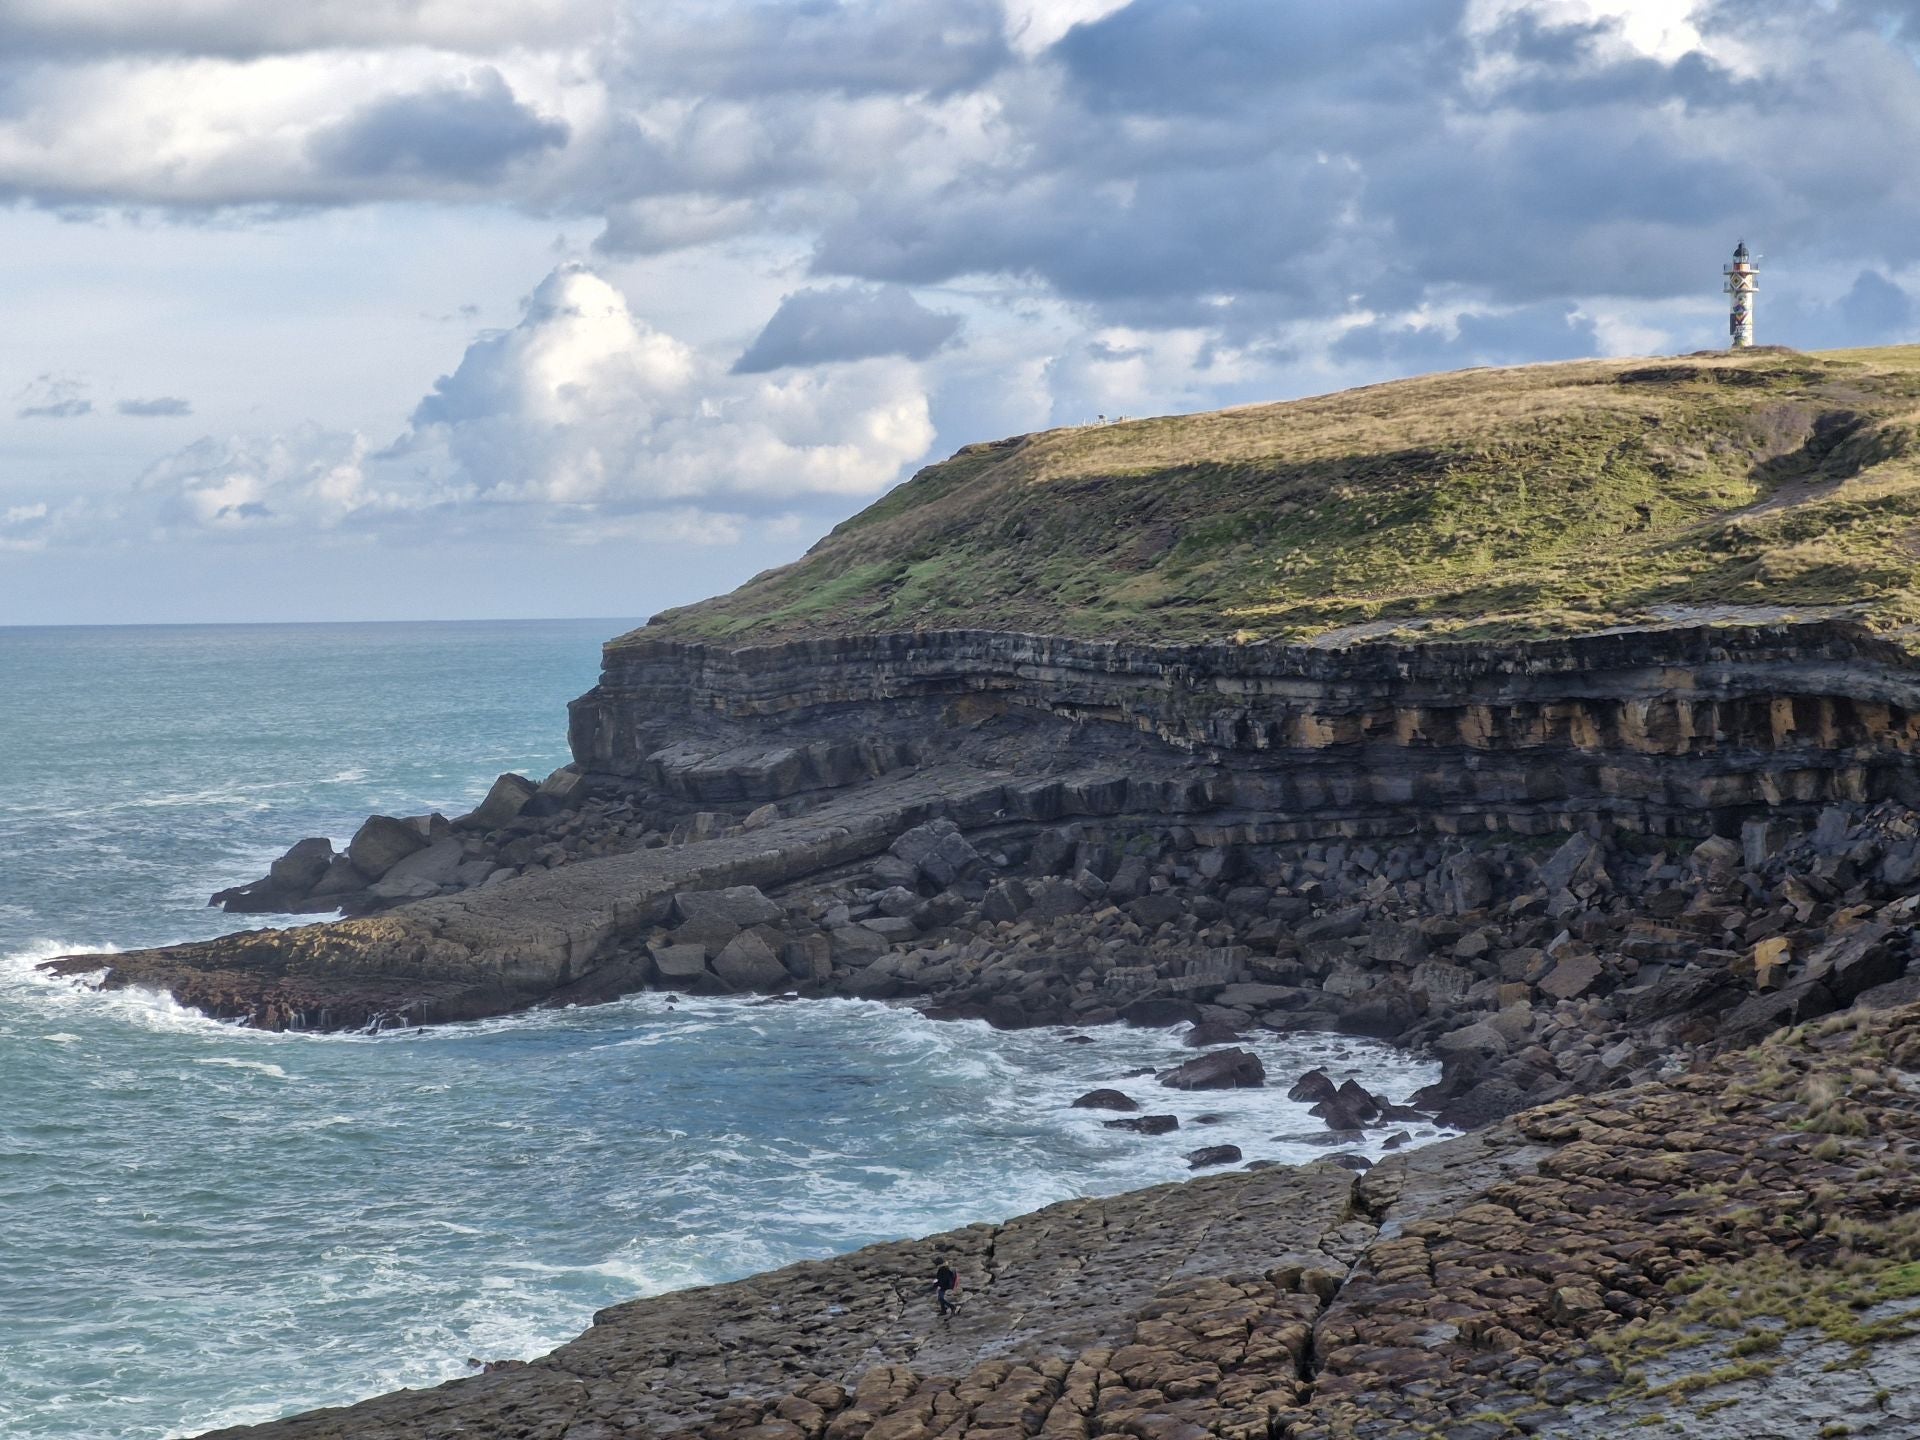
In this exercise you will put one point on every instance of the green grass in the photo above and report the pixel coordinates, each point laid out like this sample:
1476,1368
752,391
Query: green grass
1533,501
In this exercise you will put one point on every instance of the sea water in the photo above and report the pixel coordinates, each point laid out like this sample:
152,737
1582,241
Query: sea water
202,1225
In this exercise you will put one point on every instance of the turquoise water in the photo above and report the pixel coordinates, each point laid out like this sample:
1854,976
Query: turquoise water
201,1225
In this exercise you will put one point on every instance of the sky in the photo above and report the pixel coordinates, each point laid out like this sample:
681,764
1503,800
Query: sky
476,308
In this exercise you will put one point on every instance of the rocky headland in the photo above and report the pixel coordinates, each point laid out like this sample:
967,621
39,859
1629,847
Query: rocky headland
1196,763
1562,864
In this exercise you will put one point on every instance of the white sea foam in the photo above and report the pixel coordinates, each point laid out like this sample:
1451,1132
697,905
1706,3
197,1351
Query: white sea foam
259,1066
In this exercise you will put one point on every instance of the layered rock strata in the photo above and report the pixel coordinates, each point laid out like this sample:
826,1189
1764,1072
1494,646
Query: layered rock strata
1730,1254
1664,729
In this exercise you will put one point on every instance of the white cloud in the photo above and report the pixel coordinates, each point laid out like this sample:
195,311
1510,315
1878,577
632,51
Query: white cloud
581,423
206,131
1033,25
310,479
582,403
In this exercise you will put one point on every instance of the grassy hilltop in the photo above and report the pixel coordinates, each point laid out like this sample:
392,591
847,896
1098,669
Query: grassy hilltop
1545,499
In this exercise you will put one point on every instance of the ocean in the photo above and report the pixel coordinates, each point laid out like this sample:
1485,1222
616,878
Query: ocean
202,1225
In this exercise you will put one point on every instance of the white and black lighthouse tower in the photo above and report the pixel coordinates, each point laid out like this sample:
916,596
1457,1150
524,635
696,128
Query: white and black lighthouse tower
1743,280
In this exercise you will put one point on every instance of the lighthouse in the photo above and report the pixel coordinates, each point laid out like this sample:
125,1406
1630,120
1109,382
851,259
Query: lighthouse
1743,280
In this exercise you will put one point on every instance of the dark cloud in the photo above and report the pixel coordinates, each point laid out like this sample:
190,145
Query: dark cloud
57,410
1194,56
846,322
1873,310
159,405
244,29
468,133
851,48
1249,169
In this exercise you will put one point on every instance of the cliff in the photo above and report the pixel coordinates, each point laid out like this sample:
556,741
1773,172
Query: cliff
1673,729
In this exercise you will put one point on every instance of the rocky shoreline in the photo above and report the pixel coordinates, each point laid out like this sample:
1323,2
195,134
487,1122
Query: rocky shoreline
1726,1254
1050,860
1583,874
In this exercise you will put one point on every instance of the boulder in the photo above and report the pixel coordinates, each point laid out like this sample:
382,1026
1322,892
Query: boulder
1211,1032
1154,1012
261,897
505,800
302,867
1054,900
1346,980
1482,1104
1391,943
1479,1039
1349,1108
1466,884
857,945
739,905
1363,1100
1313,1087
1355,1136
1005,900
679,962
381,843
937,851
711,933
1575,975
1768,961
343,877
429,827
1254,995
1145,1124
1234,1069
1150,912
748,963
401,887
1382,1016
1443,985
1339,925
1578,858
1856,960
1105,1100
890,870
1212,1155
436,865
567,785
1716,858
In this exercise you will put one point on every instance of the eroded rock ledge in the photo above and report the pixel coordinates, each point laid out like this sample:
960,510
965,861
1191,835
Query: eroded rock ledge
1731,1254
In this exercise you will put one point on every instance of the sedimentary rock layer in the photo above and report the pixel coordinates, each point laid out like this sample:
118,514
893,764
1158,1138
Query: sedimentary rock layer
1661,728
1572,1271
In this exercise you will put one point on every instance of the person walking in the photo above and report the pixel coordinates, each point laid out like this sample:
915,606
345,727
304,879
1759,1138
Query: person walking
945,1282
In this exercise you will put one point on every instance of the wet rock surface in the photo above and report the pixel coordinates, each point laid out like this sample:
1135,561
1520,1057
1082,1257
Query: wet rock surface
1741,1232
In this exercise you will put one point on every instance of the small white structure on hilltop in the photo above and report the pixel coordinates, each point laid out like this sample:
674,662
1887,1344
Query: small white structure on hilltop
1743,280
